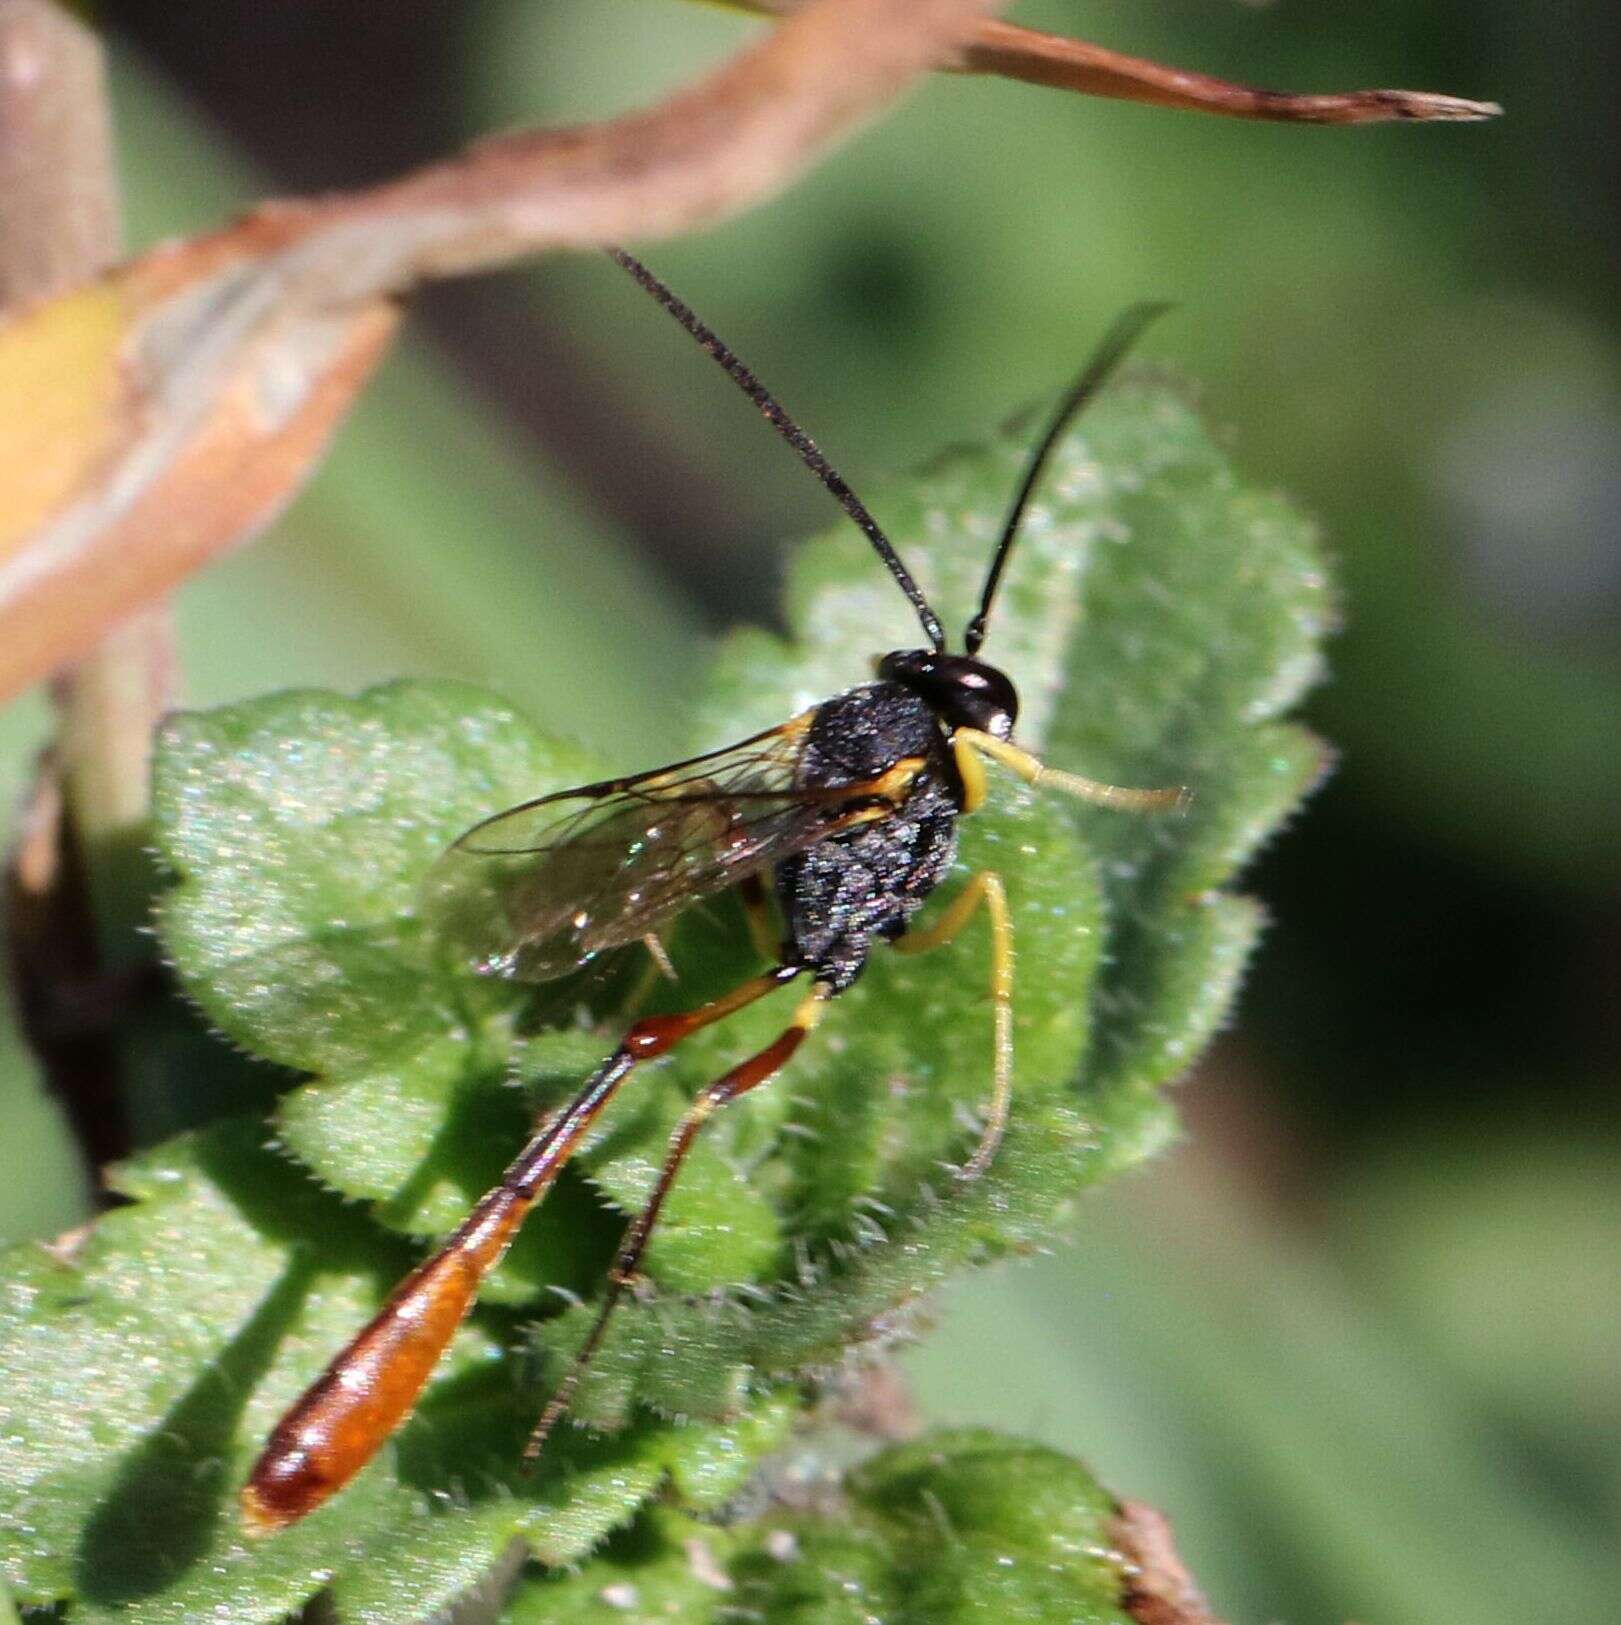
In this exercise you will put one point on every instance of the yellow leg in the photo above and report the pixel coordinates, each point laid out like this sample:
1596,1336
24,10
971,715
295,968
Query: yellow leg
969,744
652,973
986,887
970,768
659,954
892,784
1002,1006
757,910
953,917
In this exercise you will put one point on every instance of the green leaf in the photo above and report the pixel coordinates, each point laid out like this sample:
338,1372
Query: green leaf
983,1527
664,1567
1158,619
300,827
143,1374
956,1527
1203,612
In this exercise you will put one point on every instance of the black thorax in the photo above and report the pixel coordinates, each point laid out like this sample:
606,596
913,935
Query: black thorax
865,884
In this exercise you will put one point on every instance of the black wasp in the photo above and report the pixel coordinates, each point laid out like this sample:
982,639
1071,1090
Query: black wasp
850,809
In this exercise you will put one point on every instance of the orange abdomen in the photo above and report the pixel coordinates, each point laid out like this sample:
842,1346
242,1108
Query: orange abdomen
373,1385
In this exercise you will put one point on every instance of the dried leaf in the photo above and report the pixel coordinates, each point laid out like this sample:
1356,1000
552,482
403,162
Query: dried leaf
188,394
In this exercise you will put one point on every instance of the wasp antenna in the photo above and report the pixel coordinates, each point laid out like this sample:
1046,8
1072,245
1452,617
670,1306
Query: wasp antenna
809,452
1116,345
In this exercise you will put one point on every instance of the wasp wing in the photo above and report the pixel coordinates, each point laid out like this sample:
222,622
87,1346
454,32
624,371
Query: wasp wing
536,891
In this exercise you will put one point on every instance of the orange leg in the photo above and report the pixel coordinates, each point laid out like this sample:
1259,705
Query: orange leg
348,1412
746,1075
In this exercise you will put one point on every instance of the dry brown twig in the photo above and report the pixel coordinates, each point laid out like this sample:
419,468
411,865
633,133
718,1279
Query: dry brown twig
1093,70
174,406
1061,63
1158,1589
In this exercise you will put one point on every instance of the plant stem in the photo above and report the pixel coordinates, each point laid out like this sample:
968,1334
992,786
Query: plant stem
60,224
58,191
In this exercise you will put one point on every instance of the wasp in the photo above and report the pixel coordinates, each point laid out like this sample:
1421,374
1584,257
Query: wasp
848,812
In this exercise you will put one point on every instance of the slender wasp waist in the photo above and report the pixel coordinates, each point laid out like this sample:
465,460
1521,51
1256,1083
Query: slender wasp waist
864,885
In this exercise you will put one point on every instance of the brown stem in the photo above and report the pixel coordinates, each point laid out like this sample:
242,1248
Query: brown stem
108,709
1073,64
1158,1588
1061,63
58,199
59,224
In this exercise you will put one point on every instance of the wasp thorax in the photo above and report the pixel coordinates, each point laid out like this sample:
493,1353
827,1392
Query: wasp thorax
963,692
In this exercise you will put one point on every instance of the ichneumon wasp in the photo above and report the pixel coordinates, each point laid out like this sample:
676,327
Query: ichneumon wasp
849,809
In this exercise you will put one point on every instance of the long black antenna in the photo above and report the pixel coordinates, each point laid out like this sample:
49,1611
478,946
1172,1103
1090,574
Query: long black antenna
1116,344
810,454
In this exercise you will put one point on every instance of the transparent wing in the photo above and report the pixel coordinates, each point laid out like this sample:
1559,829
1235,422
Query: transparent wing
536,891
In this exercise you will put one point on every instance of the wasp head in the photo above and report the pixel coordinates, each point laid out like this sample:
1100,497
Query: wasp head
961,691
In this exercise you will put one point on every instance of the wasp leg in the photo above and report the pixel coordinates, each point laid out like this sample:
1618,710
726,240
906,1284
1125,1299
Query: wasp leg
659,968
372,1386
746,1075
659,954
969,744
757,908
986,887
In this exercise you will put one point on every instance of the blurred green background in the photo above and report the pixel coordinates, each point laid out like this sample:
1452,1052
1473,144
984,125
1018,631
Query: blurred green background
1361,1334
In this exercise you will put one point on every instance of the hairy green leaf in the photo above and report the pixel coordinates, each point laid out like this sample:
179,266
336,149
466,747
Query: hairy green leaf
143,1372
1158,620
299,827
956,1527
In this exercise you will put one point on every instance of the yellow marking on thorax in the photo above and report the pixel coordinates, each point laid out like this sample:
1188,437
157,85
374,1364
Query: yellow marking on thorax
893,784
